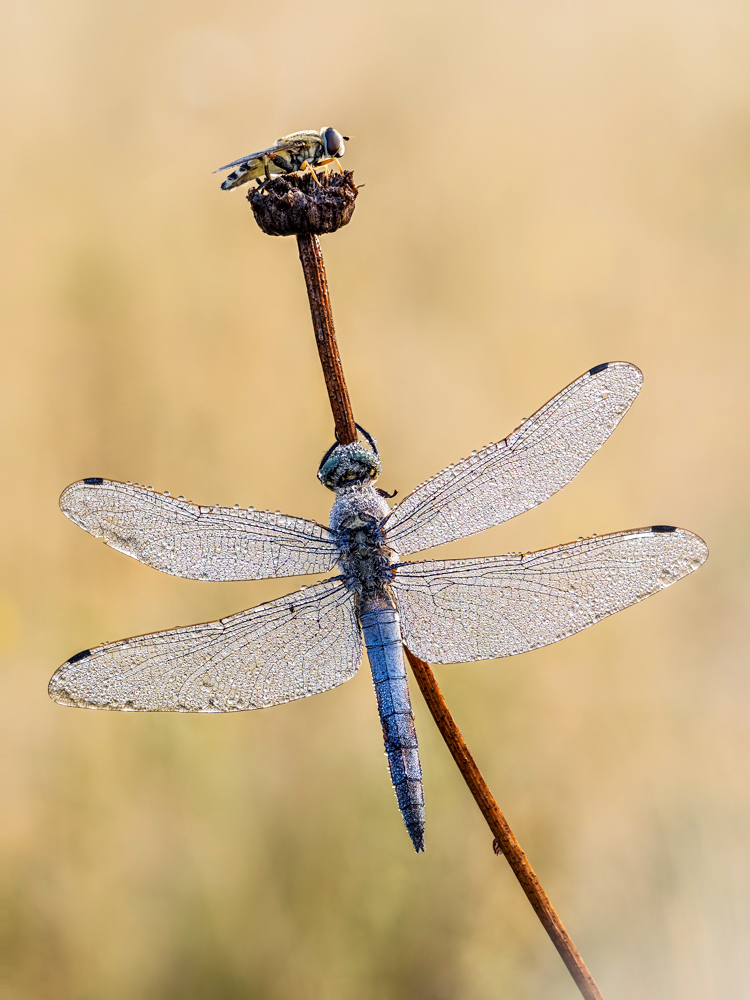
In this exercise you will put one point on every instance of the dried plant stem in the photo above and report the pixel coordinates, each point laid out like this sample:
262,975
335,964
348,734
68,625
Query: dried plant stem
505,843
311,257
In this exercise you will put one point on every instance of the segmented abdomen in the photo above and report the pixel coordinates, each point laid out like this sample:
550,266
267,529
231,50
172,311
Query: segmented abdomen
382,633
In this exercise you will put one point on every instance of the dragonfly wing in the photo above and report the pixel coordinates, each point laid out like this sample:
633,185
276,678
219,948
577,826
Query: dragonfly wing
511,476
474,609
200,543
296,646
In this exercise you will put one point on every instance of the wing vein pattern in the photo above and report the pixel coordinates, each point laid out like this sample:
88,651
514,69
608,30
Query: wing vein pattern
296,646
198,542
288,142
508,477
455,611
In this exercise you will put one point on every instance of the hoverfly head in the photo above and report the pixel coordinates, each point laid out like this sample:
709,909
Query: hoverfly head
333,141
346,465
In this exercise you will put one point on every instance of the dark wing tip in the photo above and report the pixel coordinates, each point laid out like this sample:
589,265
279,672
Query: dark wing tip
663,527
79,656
93,481
598,368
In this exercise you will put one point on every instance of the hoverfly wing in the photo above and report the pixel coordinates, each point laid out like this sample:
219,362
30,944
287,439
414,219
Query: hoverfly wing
287,142
459,610
299,645
252,156
511,476
199,543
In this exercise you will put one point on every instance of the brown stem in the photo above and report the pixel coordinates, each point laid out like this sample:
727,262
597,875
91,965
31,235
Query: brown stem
505,843
311,257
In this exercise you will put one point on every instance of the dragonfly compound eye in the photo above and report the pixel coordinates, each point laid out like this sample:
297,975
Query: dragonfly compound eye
334,142
349,465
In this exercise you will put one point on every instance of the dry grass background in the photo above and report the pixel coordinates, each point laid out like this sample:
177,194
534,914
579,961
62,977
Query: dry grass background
548,186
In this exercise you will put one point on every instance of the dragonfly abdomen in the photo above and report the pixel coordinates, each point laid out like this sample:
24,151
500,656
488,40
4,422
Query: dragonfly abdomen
382,633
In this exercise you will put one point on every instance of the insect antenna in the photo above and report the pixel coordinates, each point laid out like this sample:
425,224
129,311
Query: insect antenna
370,439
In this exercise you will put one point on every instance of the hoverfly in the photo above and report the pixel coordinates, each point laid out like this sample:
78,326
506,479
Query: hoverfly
298,151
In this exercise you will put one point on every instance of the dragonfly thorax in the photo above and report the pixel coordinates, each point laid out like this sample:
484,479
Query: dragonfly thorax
364,555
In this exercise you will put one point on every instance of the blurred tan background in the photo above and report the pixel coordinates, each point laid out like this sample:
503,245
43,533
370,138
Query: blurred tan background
547,186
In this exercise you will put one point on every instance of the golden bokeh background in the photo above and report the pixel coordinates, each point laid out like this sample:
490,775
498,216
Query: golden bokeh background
547,186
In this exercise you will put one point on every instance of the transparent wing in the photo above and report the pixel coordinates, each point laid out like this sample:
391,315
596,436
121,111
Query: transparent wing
289,142
252,156
474,609
200,543
296,646
511,476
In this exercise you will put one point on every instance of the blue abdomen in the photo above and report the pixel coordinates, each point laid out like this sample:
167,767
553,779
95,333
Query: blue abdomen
382,633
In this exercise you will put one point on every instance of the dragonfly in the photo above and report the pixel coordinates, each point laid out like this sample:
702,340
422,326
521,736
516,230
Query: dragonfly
445,611
298,151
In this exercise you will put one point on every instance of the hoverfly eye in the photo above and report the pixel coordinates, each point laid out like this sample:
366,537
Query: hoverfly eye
334,142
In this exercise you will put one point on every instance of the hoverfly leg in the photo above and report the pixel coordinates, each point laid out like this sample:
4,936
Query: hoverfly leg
305,164
332,159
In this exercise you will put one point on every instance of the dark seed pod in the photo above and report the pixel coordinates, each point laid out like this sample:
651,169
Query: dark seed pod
294,204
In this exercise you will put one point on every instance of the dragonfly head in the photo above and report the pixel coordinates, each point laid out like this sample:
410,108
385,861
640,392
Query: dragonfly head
348,465
333,141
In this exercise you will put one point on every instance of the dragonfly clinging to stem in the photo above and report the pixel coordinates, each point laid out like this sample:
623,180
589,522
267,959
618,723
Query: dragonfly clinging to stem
298,151
446,611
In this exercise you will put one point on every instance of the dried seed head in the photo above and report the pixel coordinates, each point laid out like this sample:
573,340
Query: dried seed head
297,204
